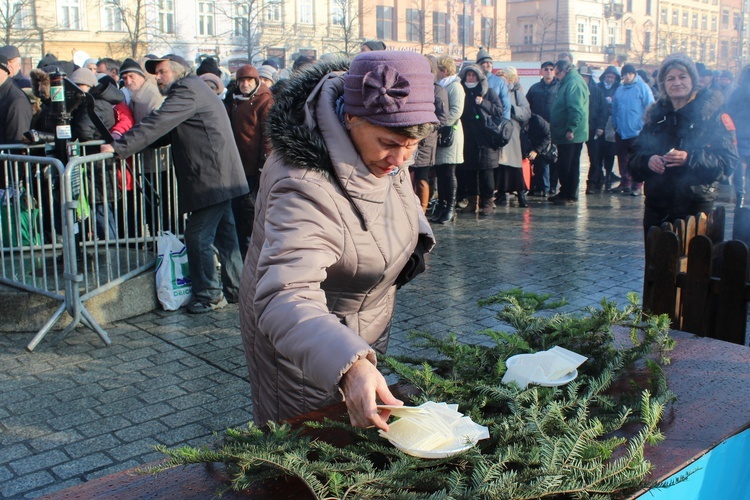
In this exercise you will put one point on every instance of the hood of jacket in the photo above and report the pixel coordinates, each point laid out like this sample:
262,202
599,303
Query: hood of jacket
40,83
610,70
290,130
483,85
703,106
108,92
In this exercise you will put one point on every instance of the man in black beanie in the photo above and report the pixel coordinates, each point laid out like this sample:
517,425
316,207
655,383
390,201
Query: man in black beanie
209,65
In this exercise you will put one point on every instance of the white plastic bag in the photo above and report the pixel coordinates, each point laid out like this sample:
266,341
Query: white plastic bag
173,286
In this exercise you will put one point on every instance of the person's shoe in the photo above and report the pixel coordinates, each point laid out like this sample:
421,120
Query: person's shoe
200,307
556,199
739,202
501,199
522,199
625,190
461,204
636,192
615,177
551,192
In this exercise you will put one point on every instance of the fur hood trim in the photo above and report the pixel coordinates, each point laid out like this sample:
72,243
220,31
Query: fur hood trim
40,83
483,84
297,141
705,105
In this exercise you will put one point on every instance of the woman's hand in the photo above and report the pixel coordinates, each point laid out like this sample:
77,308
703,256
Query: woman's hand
362,384
675,158
478,100
532,155
656,164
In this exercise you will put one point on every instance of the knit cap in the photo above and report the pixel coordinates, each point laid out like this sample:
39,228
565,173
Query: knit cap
214,82
677,60
209,65
268,72
628,68
131,66
83,76
390,89
483,55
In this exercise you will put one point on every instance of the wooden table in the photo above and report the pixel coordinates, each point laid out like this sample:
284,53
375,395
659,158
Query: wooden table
711,379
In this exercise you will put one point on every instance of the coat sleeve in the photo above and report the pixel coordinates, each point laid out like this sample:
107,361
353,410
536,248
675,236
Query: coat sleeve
178,107
442,108
643,150
521,107
492,105
599,109
17,120
290,305
456,98
504,98
123,119
577,115
615,108
717,157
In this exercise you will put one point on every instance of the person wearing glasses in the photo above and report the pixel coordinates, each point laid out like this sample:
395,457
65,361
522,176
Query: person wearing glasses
541,95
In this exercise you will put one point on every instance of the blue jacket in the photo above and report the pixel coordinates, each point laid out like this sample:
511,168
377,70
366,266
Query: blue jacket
501,89
629,107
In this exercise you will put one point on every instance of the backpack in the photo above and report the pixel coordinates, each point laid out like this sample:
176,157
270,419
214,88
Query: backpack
498,131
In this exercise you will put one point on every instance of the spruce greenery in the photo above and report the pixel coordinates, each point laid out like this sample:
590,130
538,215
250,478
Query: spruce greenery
582,440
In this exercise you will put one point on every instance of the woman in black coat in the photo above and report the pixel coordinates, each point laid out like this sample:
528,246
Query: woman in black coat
479,158
685,148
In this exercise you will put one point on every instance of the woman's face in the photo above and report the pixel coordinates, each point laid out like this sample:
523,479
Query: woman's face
678,84
471,77
381,149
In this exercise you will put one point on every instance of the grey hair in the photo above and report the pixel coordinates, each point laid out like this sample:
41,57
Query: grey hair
563,65
179,70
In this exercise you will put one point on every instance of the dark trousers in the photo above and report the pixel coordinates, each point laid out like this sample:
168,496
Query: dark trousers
540,181
624,147
569,169
207,228
480,183
595,149
243,209
446,182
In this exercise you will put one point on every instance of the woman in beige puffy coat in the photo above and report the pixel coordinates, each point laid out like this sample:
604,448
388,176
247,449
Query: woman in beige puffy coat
337,227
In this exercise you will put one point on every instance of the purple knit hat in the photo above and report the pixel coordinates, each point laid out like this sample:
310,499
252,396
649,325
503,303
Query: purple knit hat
390,89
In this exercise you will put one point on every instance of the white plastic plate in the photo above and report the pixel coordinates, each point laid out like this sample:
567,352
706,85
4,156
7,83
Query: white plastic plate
542,382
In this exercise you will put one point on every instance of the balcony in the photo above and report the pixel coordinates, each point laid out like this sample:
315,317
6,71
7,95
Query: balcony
613,9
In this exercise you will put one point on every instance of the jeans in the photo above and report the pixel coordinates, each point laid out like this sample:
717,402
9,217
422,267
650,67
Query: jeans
569,168
213,225
540,181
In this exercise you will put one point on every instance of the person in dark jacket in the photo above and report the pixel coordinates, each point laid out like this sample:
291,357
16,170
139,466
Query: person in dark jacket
248,107
608,83
427,150
541,95
598,115
209,175
686,146
15,109
738,108
480,159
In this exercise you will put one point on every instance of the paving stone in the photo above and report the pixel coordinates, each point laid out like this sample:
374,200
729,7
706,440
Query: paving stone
182,434
23,484
57,486
14,452
38,461
133,449
83,464
149,428
55,440
91,445
104,425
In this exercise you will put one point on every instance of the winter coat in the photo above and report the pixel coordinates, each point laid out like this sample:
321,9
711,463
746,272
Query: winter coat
739,108
598,110
15,113
329,239
427,151
123,119
453,154
701,129
570,111
500,87
538,134
478,156
511,154
207,164
629,107
105,97
145,100
541,97
248,116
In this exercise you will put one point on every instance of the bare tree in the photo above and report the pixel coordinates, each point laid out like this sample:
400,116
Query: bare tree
344,28
19,23
545,27
250,20
641,50
130,17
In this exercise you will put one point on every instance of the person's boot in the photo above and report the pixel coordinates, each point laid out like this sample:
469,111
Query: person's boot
739,202
423,193
448,214
487,207
522,199
439,211
590,189
472,205
501,199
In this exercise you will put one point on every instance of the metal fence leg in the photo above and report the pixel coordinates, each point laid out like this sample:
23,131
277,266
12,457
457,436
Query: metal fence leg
46,327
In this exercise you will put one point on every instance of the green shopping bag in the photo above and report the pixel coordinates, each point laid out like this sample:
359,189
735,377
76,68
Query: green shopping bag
18,218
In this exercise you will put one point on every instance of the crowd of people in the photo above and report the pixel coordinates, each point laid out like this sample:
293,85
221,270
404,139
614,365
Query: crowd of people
322,183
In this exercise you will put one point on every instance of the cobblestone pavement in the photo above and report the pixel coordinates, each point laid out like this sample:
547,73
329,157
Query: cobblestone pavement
78,410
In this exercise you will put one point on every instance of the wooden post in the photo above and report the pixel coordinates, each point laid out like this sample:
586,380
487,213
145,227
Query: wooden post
732,313
696,287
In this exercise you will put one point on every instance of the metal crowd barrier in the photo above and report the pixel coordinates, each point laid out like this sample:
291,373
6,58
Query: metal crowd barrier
75,231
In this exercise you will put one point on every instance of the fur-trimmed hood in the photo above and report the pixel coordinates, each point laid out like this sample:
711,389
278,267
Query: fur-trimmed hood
702,107
291,127
482,77
40,83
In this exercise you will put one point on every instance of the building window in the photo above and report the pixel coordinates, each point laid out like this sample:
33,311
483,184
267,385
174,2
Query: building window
488,32
241,21
17,15
384,30
413,25
528,34
629,6
439,27
273,12
675,17
648,7
338,17
305,12
685,17
712,53
724,50
206,19
166,16
662,48
695,21
647,42
735,49
714,23
664,16
612,36
736,22
704,22
628,39
112,16
581,36
69,14
595,35
694,50
465,29
725,19
488,2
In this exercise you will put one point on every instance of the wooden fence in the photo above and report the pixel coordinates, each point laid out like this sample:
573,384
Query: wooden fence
697,278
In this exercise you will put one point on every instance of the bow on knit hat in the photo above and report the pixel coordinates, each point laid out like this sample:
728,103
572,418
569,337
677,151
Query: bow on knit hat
390,89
